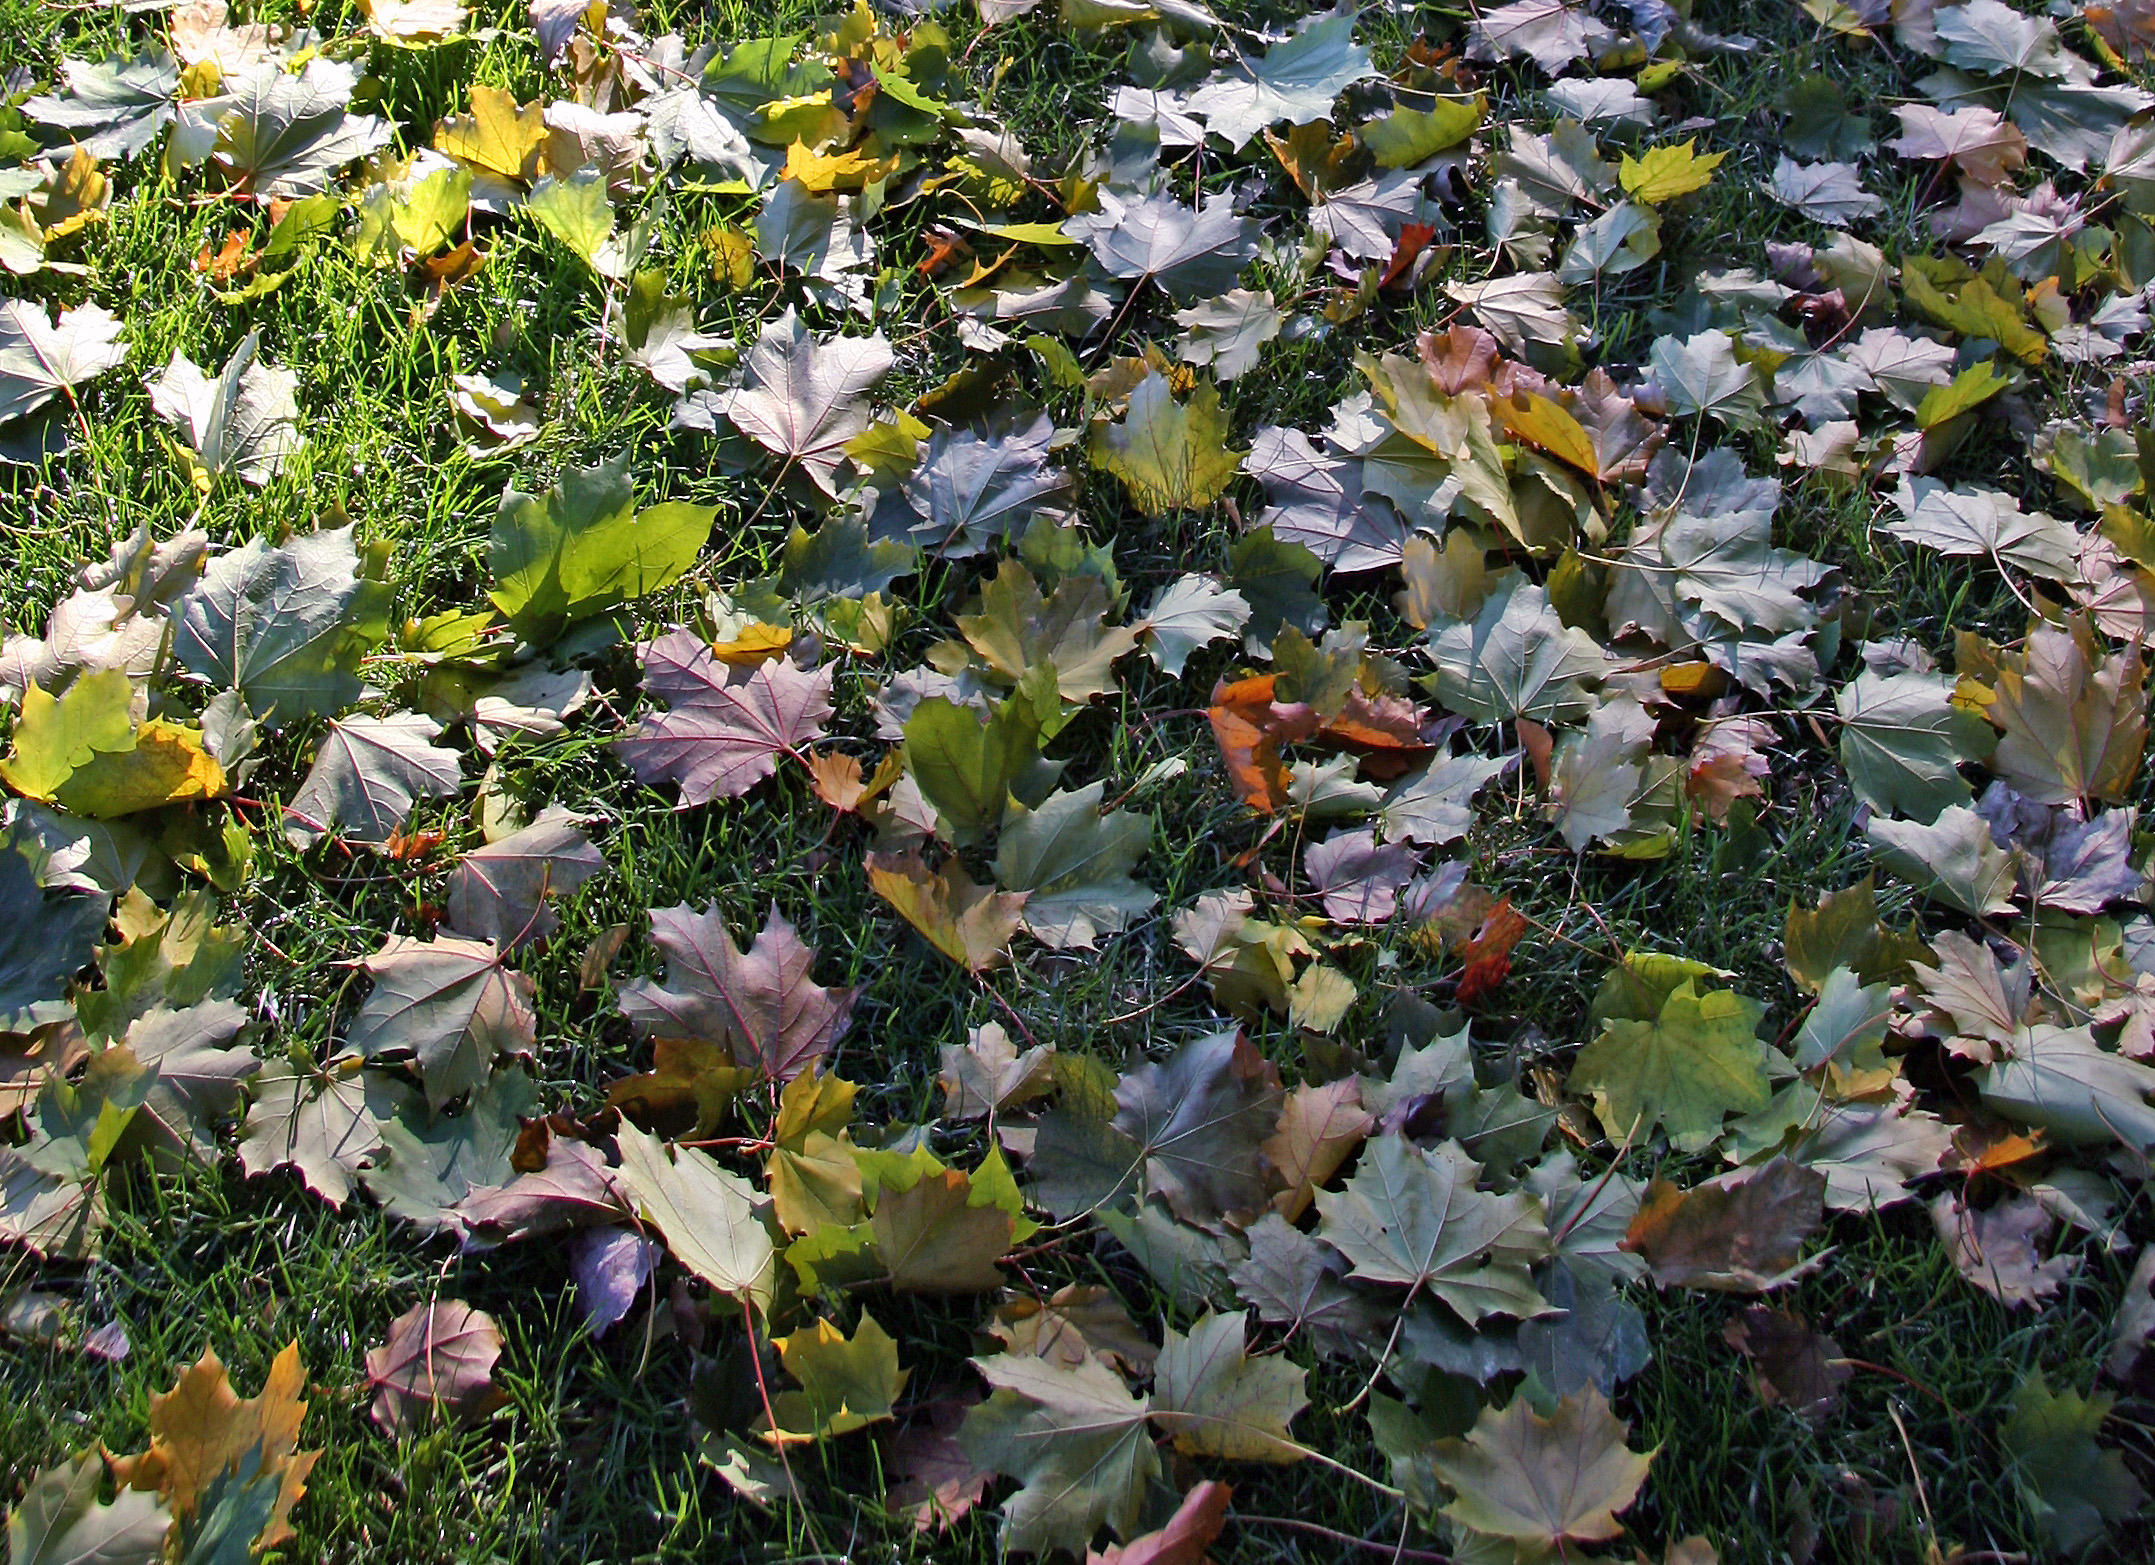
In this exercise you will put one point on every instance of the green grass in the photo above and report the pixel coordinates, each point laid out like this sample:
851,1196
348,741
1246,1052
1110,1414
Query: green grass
593,1455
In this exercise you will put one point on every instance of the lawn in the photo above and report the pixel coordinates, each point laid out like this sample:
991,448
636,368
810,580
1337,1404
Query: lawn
895,785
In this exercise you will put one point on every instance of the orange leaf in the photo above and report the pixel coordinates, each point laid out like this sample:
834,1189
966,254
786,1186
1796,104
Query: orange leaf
1488,953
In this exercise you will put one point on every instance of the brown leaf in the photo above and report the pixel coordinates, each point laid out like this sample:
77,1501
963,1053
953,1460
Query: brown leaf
1319,1127
938,1481
227,260
968,923
934,1240
839,783
439,1356
688,1090
1996,1249
1740,1233
1079,1321
1792,1365
1183,1541
760,1002
201,1430
1726,764
1460,358
599,956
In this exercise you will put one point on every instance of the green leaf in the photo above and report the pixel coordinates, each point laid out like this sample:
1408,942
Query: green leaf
1954,859
1845,1032
1077,1440
576,212
1412,1218
710,1219
1075,862
285,627
1903,740
61,1522
2076,1487
847,1383
1016,629
1516,659
1213,1399
1171,456
965,767
1697,1061
2060,1080
582,548
1406,136
1543,1484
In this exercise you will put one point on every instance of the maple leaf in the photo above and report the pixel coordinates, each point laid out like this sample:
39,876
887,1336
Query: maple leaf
710,1219
1698,1060
2074,722
760,1003
1791,1365
1996,1249
42,359
1553,33
1296,81
847,1383
85,752
244,422
987,1074
325,1124
1543,1483
967,922
438,1361
1213,1399
803,399
1170,455
1195,1118
725,727
1188,613
1073,861
1196,1523
122,103
451,1004
1319,1129
367,774
202,1430
2076,1487
967,490
504,892
60,1521
1664,173
1516,658
1017,628
1191,252
1358,881
1740,1233
285,134
582,548
1413,1218
1077,1440
285,627
1903,740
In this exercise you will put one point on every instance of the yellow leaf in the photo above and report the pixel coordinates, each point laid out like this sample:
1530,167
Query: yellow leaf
1665,173
823,172
1540,422
74,194
201,1430
84,752
968,923
497,136
756,643
733,256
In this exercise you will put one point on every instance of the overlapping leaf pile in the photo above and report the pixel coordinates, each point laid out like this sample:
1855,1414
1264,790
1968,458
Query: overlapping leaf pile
1516,572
